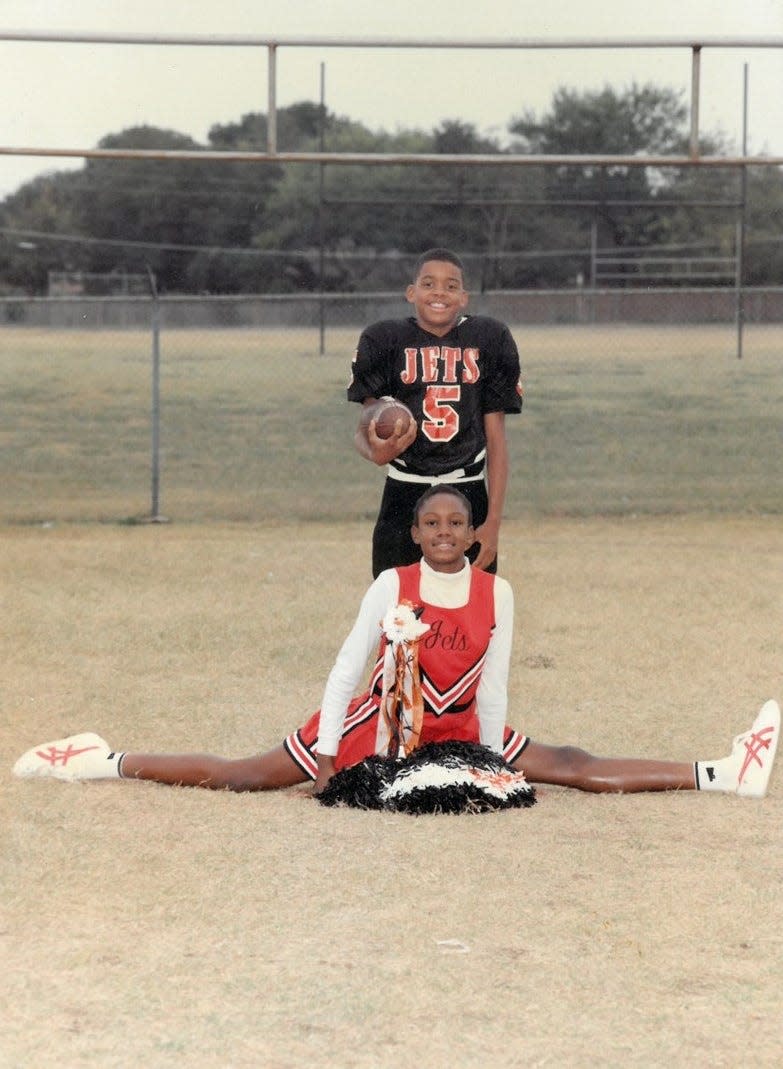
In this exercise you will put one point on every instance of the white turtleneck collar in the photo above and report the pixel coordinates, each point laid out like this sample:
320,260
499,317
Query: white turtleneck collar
448,590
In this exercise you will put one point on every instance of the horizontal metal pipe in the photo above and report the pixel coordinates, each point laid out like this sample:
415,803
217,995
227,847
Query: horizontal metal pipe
505,43
396,158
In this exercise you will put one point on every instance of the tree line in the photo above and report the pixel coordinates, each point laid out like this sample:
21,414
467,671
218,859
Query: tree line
213,227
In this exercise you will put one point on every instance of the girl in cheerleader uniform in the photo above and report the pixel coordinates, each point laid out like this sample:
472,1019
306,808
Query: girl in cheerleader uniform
443,630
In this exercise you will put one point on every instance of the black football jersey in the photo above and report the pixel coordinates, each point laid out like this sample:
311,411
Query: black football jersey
447,382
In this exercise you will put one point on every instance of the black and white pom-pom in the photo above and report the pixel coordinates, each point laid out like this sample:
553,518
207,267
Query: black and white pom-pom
447,777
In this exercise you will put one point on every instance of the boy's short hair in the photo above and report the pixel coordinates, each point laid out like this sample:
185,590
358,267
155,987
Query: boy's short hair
438,488
444,255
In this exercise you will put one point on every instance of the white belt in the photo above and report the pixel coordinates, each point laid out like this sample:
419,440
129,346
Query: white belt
459,475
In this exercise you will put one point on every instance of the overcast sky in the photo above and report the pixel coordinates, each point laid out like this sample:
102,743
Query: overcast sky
68,95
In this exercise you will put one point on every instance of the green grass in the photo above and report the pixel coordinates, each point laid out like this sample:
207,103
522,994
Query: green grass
255,426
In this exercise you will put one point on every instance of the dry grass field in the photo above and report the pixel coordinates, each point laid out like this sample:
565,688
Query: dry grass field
144,925
150,926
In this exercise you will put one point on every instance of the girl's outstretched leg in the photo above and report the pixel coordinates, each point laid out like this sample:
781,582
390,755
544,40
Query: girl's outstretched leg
88,756
567,766
745,771
263,772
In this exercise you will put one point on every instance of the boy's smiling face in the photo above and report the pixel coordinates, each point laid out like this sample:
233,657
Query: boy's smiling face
438,296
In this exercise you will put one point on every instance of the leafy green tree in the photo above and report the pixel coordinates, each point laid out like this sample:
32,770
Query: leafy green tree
167,203
353,211
41,207
231,226
640,120
626,203
298,125
644,119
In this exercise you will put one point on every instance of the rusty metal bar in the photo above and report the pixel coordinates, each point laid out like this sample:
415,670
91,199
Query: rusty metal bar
271,115
394,158
695,79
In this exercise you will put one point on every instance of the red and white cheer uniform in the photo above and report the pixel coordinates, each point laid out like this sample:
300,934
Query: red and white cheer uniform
463,659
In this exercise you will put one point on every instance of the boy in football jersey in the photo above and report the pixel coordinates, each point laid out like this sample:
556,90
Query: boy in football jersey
459,375
466,618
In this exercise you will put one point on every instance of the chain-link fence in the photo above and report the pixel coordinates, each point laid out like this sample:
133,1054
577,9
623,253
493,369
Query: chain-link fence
636,402
686,306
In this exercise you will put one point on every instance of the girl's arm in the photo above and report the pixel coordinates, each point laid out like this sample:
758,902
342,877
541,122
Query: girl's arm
351,661
492,694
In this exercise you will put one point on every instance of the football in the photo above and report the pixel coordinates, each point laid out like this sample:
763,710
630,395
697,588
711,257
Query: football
386,411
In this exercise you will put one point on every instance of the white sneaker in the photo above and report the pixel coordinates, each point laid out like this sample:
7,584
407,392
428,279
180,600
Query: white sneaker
77,757
754,752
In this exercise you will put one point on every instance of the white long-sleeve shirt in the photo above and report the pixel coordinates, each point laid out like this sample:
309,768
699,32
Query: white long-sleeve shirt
447,590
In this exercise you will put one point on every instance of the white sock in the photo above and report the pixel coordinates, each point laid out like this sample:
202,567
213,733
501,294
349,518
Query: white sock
720,775
114,761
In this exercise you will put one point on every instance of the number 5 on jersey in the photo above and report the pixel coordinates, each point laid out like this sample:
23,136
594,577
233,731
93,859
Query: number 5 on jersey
441,420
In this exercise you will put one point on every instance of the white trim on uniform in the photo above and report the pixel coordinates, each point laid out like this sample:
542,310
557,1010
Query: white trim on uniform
459,475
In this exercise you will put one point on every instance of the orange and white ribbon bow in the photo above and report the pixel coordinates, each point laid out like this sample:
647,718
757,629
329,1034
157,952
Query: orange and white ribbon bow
402,704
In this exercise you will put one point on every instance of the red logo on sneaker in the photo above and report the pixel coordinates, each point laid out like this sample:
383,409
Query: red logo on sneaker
61,757
755,745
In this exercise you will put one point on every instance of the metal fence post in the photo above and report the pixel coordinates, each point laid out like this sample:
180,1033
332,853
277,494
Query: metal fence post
155,516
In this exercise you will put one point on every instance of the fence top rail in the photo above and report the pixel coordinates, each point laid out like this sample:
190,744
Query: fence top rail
652,258
397,158
295,41
385,295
